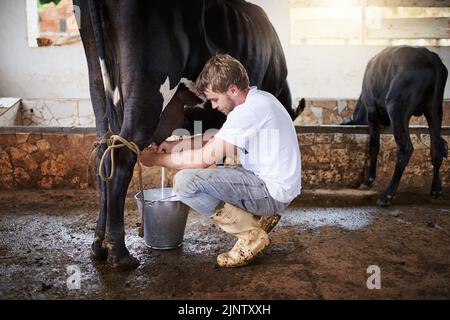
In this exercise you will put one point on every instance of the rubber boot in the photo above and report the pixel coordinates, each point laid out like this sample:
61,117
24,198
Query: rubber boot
252,240
267,223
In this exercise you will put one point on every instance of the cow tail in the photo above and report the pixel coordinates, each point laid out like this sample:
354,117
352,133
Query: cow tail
359,116
114,115
360,113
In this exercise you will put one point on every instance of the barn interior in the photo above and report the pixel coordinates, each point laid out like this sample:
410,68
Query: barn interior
328,239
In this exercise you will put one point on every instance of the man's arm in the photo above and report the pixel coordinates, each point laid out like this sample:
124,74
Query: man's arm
214,151
192,142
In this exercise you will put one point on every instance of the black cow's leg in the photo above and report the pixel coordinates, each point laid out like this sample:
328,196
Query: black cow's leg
118,255
433,113
404,151
439,149
99,105
374,132
99,252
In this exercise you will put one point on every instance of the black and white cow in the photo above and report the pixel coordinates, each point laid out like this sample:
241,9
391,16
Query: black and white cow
398,83
143,57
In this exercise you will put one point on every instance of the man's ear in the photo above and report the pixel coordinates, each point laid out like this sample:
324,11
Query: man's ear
233,89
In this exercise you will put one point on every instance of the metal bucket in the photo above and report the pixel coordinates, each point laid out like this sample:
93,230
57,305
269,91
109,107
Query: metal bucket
164,218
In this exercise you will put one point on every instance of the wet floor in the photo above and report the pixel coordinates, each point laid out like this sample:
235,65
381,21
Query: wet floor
321,249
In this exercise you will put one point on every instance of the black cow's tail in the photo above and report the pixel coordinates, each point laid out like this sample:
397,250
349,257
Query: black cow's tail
300,108
359,116
113,113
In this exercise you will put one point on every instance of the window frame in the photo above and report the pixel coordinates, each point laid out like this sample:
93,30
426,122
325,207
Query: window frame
371,35
33,25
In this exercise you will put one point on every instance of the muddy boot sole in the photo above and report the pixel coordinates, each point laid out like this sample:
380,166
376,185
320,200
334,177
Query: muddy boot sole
244,262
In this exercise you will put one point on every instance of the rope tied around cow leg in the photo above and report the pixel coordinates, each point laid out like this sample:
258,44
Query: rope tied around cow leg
94,155
112,146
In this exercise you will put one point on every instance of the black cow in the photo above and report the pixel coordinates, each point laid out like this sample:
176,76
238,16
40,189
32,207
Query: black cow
138,54
398,83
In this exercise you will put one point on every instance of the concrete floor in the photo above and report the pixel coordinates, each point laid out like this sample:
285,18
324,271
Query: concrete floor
321,249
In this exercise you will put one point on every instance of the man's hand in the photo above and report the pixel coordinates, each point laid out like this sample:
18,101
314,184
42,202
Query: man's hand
215,150
149,155
185,143
166,146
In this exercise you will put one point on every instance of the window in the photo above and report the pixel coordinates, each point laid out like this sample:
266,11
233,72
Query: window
370,22
52,23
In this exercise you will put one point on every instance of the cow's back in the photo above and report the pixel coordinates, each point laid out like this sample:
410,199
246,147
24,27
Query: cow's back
398,72
243,30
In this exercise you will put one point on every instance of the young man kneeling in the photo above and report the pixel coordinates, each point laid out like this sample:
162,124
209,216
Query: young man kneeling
243,200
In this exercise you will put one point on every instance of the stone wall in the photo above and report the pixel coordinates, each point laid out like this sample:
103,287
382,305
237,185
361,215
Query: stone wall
337,160
53,160
79,113
332,111
44,161
60,160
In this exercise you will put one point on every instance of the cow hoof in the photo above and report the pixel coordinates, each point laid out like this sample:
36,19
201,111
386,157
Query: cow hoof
123,263
384,201
98,252
436,194
364,187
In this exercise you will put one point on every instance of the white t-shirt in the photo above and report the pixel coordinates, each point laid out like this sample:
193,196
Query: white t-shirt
265,136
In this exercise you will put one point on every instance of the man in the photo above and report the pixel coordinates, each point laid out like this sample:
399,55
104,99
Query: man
241,200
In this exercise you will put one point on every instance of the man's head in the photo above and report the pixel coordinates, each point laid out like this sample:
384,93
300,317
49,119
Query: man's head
224,81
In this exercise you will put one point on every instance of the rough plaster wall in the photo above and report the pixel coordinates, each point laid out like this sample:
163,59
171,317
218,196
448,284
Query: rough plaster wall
61,72
335,72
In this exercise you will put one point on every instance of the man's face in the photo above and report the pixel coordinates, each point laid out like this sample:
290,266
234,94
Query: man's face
223,102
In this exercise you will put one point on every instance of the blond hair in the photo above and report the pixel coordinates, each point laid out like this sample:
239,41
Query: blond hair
220,72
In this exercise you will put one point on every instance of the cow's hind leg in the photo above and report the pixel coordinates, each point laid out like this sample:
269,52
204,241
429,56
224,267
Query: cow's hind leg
374,149
400,128
439,148
118,255
433,113
97,92
99,251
